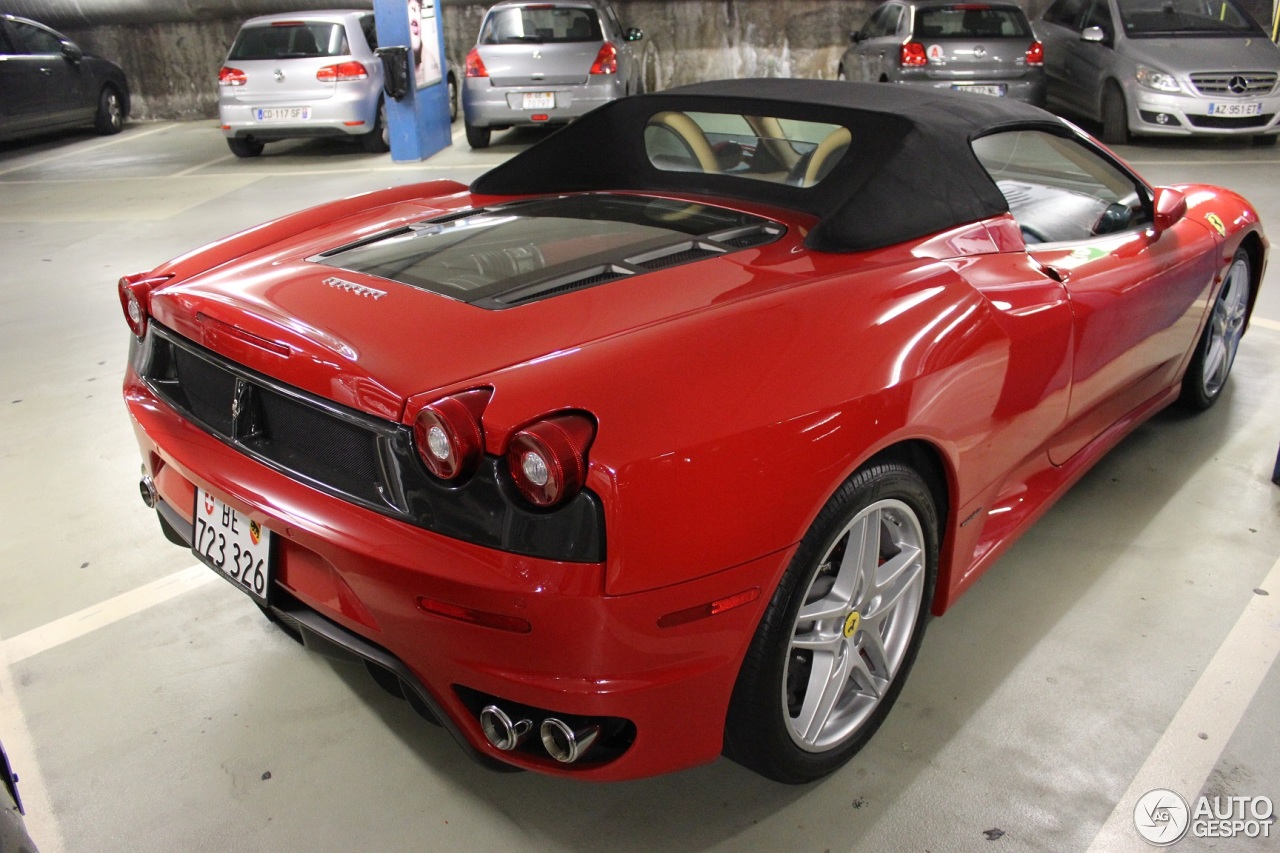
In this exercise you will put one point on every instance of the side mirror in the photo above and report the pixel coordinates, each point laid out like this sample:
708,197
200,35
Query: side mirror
633,34
1097,35
855,36
1171,206
72,52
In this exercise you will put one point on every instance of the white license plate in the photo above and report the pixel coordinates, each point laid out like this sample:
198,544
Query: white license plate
1254,109
282,113
232,545
539,100
994,91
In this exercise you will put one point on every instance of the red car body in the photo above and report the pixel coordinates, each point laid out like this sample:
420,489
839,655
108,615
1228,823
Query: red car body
731,397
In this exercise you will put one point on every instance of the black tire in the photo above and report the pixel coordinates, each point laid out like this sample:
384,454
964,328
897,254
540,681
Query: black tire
242,147
378,140
1265,140
1215,352
772,695
1115,116
453,98
477,137
109,118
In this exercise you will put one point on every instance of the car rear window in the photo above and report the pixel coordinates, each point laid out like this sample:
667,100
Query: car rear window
763,148
290,40
540,24
971,21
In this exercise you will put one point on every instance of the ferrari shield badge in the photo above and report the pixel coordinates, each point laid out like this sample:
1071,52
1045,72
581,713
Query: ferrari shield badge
1216,221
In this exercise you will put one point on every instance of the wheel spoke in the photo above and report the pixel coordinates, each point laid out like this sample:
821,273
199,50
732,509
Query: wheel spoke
828,682
865,681
817,642
891,593
861,555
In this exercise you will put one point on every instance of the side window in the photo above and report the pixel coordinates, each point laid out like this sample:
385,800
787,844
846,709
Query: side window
5,46
35,39
1066,13
370,31
874,27
891,20
1060,190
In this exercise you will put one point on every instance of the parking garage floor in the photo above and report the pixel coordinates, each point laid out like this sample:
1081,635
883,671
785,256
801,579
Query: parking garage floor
1126,643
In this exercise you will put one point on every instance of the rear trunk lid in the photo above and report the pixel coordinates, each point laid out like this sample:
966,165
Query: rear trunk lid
280,61
543,44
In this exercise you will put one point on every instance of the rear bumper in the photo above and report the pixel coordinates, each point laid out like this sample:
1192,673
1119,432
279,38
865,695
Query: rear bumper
353,578
1028,90
486,105
345,113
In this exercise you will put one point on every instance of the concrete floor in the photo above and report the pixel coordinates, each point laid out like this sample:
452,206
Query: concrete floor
149,707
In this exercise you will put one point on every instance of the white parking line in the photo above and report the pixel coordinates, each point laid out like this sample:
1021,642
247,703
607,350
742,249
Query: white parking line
81,150
1183,758
112,610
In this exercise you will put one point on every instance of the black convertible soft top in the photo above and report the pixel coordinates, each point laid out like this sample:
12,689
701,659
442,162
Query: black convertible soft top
909,170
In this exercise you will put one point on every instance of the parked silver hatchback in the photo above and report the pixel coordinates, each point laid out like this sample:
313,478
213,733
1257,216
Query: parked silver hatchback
547,63
1162,67
976,48
303,74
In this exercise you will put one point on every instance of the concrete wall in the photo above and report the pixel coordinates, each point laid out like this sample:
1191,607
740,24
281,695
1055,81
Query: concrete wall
173,63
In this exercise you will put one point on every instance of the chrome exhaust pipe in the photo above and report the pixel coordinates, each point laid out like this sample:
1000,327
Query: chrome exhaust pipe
565,743
147,487
500,730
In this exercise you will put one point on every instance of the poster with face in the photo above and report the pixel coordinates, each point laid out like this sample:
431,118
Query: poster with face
424,42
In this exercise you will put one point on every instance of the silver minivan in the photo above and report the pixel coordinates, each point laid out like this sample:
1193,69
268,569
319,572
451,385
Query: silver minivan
975,48
1162,68
303,74
547,63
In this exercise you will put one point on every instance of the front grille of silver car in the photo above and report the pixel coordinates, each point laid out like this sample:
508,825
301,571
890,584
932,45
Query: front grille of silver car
1240,84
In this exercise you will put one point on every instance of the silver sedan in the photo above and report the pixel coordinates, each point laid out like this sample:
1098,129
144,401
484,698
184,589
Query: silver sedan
1162,67
547,63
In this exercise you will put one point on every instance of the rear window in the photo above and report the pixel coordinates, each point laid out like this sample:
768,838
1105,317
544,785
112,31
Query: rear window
971,21
541,24
290,40
763,148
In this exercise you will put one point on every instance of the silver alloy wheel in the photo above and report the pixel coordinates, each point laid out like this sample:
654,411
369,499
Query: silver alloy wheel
854,628
1226,327
115,110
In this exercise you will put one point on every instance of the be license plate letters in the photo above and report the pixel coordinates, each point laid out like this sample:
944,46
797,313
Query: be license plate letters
282,113
1253,109
539,100
232,545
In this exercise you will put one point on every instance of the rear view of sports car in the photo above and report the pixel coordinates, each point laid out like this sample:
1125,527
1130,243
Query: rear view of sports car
615,465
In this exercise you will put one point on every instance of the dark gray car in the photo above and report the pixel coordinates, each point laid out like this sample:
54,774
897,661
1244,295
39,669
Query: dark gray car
48,83
547,63
978,48
1162,67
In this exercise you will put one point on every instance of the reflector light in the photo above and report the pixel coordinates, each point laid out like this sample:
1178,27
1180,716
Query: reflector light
475,65
539,117
1035,54
351,70
228,76
547,460
135,298
475,617
713,608
606,60
448,435
913,55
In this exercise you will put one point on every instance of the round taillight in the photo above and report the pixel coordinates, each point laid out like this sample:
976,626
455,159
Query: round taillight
135,291
547,460
448,435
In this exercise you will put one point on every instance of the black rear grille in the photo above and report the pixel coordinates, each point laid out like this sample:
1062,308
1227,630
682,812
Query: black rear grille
365,460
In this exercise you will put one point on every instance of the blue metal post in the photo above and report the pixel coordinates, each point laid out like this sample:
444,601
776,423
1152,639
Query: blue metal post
419,122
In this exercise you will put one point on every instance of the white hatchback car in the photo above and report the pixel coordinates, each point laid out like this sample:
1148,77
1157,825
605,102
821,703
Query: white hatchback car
303,74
